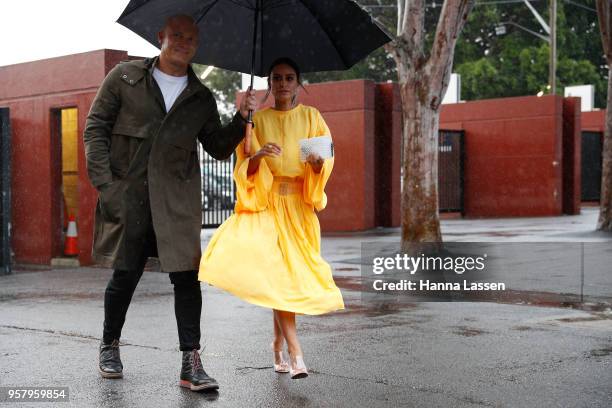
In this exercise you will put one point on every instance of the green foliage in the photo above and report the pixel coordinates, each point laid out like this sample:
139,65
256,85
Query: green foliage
490,65
378,67
515,63
476,73
224,84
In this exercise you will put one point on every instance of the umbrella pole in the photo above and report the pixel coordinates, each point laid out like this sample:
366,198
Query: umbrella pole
249,126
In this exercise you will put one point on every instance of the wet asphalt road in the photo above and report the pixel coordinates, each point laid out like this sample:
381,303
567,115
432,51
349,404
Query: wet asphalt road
421,355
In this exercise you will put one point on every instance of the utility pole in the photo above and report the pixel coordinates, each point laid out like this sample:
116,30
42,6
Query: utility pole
551,30
400,16
552,73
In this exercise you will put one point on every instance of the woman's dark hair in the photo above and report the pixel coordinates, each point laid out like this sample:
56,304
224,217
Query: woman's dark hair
286,61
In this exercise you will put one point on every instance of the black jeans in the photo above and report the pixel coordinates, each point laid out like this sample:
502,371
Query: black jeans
187,304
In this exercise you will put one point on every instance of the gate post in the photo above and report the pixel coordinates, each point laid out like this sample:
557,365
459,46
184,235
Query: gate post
451,158
5,191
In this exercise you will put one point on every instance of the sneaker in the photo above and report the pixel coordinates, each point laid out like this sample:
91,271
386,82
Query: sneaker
110,365
193,375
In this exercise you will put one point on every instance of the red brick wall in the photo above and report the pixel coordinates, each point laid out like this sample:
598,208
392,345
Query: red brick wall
513,155
594,121
518,151
31,91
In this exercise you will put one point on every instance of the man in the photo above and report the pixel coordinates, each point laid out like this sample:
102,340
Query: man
140,142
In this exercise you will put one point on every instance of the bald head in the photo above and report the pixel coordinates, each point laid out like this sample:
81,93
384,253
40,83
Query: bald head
180,19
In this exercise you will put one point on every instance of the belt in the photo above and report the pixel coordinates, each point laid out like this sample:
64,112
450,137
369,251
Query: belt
287,185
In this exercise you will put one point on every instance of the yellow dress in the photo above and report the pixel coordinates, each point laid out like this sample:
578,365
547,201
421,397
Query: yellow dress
268,251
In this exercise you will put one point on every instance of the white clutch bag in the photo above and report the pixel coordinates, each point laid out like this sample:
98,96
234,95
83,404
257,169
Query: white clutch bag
322,146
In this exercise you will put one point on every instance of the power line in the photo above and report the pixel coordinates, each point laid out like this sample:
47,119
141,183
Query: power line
432,4
482,3
581,6
501,2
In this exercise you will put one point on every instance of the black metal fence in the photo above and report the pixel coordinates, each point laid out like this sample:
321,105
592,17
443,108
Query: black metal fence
591,161
450,170
5,191
218,189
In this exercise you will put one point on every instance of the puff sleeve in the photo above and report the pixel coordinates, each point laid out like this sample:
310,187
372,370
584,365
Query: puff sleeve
251,191
314,183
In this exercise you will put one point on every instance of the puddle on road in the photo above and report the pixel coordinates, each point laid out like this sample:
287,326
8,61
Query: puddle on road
378,309
598,311
352,283
72,295
468,331
50,295
604,352
251,369
593,318
513,297
370,308
540,328
499,234
546,299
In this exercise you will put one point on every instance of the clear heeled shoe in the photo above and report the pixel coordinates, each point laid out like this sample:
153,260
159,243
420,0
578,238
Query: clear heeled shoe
297,369
280,365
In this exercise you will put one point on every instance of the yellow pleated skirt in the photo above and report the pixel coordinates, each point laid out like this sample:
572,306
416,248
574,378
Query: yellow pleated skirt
271,258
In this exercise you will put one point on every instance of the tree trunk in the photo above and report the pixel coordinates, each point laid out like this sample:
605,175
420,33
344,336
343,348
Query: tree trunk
605,211
420,219
423,81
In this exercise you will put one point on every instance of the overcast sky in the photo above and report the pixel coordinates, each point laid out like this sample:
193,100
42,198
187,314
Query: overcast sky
36,29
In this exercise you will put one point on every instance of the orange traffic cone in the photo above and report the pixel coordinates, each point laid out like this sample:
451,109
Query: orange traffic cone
70,244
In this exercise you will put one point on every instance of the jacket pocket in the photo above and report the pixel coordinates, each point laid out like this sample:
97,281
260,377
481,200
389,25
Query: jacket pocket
182,156
185,142
125,143
110,199
141,132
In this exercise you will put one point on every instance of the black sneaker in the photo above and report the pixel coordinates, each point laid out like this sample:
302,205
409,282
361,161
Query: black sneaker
110,365
193,375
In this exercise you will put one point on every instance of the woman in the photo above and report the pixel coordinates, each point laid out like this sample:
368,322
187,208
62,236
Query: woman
268,251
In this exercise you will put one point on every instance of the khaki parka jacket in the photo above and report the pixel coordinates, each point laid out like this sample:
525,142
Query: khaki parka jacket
144,163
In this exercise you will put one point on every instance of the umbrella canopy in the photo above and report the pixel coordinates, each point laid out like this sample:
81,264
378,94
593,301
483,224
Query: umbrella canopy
248,35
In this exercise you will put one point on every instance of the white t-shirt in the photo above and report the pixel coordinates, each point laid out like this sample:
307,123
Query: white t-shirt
171,86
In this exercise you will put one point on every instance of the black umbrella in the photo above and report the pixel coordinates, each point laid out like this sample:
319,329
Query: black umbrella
248,35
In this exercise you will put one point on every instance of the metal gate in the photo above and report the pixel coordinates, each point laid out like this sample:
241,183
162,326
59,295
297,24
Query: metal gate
5,190
218,189
591,165
450,170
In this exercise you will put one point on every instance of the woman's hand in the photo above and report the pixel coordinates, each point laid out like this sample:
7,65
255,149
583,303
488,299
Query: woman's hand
269,150
315,161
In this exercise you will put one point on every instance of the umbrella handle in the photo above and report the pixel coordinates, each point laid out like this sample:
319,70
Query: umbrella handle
247,138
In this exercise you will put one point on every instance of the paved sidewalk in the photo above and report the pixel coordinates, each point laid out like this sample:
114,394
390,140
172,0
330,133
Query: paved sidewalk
387,355
552,249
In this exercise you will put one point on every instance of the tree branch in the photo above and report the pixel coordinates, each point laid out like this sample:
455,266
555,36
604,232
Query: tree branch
399,52
413,28
452,19
603,15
